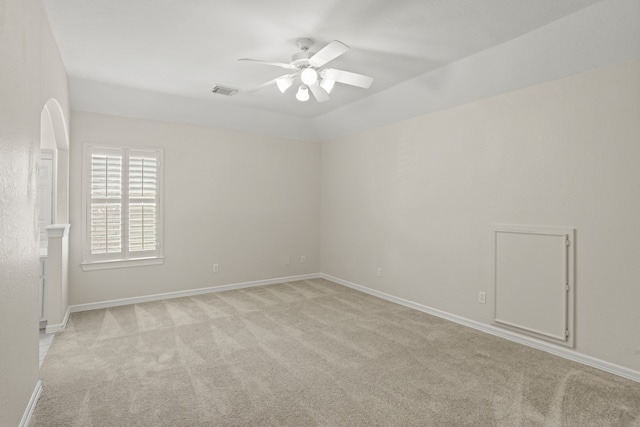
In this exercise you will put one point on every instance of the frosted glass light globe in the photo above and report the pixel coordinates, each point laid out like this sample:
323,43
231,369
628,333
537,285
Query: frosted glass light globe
309,76
303,94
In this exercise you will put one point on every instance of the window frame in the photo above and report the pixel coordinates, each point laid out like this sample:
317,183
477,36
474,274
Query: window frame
124,258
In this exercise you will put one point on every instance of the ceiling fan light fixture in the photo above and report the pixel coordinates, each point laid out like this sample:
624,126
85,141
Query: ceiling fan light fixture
327,84
309,76
284,83
303,93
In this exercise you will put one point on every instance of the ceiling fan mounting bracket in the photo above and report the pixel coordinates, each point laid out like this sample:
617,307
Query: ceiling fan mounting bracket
301,59
304,43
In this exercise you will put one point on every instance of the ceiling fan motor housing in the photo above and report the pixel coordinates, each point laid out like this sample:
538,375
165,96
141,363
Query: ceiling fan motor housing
301,59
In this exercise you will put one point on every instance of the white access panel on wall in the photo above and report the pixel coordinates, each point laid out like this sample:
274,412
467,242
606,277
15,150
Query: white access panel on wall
534,281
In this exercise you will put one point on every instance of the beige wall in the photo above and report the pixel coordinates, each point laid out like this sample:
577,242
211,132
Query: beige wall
239,200
418,198
31,72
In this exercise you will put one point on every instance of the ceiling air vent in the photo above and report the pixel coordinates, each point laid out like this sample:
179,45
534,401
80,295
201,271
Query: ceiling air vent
222,90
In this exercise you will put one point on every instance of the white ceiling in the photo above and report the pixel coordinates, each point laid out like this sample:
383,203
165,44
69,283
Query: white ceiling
182,48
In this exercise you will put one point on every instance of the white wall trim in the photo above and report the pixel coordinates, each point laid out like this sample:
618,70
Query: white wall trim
121,263
59,327
179,294
58,230
511,336
26,417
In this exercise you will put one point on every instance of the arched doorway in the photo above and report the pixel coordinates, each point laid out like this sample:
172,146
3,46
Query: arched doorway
53,208
54,138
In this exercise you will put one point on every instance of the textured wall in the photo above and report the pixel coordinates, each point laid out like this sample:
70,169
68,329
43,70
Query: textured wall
418,198
239,200
31,72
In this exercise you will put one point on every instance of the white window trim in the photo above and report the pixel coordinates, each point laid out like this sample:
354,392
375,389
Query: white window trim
96,262
133,262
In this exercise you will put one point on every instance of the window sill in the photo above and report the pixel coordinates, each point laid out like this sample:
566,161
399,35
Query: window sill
105,265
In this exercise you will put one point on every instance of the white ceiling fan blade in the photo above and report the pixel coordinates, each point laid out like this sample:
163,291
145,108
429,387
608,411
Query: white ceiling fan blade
320,94
277,64
328,53
269,83
347,77
327,84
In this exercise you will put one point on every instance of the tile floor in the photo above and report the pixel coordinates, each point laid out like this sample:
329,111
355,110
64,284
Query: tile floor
45,342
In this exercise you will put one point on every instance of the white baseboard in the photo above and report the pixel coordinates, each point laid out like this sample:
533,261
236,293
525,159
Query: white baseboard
191,292
511,336
26,417
490,329
59,327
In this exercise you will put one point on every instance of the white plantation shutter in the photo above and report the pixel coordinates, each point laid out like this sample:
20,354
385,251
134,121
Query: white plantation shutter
106,228
106,203
122,198
143,207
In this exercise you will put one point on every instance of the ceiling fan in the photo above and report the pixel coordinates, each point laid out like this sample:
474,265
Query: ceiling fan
307,71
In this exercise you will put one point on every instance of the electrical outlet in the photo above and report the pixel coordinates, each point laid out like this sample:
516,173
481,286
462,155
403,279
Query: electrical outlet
287,261
379,272
303,259
482,297
215,268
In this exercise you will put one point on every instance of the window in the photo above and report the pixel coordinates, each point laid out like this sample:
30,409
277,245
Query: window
122,216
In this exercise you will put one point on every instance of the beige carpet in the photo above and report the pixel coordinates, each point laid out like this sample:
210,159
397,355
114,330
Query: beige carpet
310,353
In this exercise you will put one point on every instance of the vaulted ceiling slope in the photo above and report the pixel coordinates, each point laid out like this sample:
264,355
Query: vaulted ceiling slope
159,59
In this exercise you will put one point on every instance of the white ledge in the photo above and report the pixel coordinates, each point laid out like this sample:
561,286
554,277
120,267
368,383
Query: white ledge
58,230
121,263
